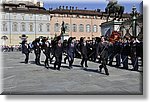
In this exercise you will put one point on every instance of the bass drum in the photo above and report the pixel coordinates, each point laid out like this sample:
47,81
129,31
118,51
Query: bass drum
115,36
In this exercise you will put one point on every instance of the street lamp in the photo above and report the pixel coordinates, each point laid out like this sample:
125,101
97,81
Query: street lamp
134,20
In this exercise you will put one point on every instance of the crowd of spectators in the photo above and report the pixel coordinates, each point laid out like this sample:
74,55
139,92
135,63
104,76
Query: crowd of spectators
10,48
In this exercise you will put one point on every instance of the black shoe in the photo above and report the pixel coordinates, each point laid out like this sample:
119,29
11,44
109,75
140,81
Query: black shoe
81,65
70,67
64,61
58,69
86,66
38,63
117,65
100,68
107,73
134,69
50,61
110,64
126,68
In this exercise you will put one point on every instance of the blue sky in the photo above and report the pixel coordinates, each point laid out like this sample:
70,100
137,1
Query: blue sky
91,4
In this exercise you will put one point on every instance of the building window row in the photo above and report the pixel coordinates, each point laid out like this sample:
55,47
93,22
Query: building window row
23,27
74,27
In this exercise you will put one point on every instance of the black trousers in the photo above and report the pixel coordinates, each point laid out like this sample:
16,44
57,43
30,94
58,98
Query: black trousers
94,56
134,60
125,61
71,60
65,59
84,59
51,58
47,55
104,62
111,56
27,57
37,58
58,62
118,59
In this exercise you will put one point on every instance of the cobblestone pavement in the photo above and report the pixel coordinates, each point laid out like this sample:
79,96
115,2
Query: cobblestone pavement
21,78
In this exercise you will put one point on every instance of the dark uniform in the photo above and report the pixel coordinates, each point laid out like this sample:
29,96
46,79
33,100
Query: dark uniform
103,52
46,51
117,51
65,45
71,52
58,50
89,50
25,50
93,52
83,49
77,51
111,53
52,45
139,50
125,52
37,50
134,58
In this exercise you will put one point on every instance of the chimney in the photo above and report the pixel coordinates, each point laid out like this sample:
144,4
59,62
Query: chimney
72,8
76,8
59,7
67,7
50,9
98,10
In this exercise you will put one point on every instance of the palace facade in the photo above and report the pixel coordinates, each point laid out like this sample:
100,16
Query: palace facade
30,18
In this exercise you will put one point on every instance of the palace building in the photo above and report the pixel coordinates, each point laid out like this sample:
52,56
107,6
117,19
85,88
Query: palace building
30,18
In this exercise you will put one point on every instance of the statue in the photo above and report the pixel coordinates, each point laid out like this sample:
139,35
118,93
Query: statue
63,29
114,8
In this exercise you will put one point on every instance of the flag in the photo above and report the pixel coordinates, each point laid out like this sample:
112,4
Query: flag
108,32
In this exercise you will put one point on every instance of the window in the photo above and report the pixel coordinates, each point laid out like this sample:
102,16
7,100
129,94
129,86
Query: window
95,28
4,26
3,17
14,17
88,28
15,27
48,27
31,27
56,27
31,16
81,28
23,17
23,26
67,27
74,28
40,27
48,18
40,17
